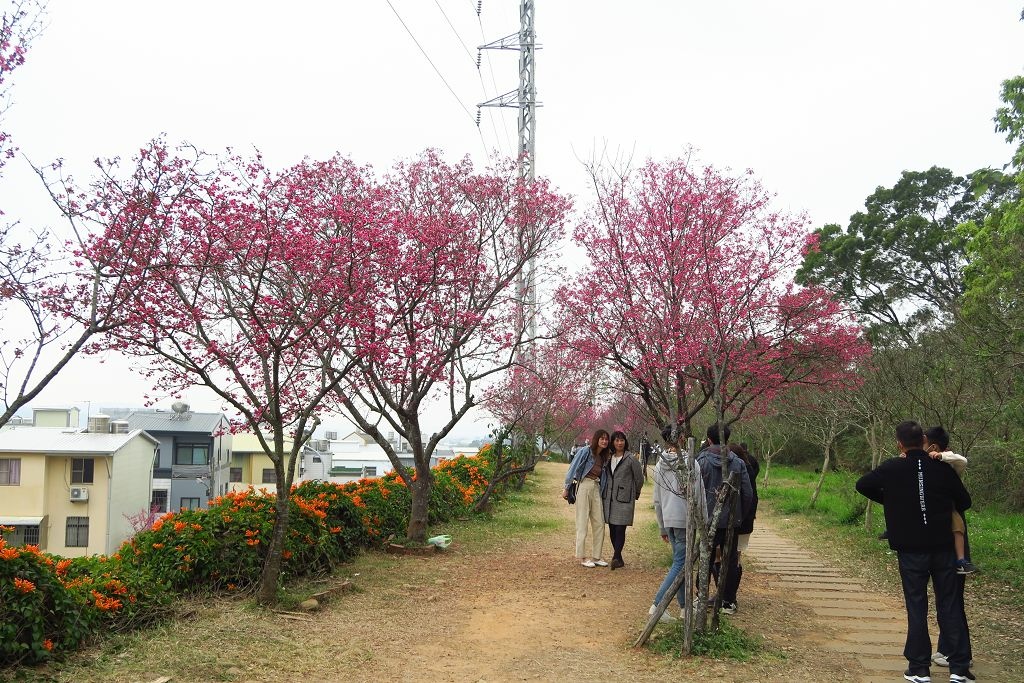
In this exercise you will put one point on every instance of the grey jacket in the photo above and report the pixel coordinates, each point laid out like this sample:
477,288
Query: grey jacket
620,489
670,504
710,461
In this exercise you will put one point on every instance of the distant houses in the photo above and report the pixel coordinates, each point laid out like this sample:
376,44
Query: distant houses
75,491
72,492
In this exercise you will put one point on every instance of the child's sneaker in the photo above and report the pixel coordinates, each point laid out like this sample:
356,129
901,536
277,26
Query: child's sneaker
965,568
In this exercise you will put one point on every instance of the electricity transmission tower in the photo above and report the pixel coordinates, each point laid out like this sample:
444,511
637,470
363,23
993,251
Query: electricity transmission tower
525,100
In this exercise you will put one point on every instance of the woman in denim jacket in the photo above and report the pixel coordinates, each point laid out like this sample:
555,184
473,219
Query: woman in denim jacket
588,469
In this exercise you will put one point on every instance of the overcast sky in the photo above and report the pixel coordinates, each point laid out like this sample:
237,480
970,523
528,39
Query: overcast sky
824,101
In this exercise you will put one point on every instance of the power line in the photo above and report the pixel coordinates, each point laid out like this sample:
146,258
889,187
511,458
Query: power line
475,63
431,62
494,80
452,27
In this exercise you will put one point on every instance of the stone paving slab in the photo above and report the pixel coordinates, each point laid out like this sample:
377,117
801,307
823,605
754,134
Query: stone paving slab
887,649
818,585
857,613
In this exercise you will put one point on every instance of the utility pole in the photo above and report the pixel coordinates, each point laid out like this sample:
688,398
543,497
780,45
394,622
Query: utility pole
525,100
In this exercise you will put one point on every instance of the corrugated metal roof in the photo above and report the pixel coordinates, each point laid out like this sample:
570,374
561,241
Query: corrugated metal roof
57,441
20,521
205,423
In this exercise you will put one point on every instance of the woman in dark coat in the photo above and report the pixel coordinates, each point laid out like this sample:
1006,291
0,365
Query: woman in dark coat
624,477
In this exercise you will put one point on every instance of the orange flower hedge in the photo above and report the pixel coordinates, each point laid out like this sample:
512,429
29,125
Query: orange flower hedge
51,605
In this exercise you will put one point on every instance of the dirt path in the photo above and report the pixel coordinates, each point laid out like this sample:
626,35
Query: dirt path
526,610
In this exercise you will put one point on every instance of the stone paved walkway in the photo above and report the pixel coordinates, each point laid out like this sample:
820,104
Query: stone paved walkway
845,615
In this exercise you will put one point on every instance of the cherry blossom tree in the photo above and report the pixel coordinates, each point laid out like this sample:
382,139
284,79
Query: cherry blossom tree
448,317
40,276
20,23
551,398
689,295
246,281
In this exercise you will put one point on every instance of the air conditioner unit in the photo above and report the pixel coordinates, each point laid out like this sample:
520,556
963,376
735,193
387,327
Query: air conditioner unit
79,493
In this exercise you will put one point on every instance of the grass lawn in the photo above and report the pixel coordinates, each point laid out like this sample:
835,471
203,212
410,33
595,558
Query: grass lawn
997,537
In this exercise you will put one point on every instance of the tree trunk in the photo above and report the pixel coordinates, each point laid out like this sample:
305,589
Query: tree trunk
267,594
767,467
691,536
420,508
723,567
824,470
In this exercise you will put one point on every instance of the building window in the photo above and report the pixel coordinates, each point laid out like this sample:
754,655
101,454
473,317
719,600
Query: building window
190,503
82,470
235,474
191,454
269,476
77,532
10,471
159,501
32,535
369,471
156,457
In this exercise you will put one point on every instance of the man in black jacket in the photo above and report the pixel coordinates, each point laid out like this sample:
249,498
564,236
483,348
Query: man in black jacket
919,495
710,462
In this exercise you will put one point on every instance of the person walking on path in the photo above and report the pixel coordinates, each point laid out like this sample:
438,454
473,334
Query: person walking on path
588,470
710,461
746,527
672,509
918,495
620,489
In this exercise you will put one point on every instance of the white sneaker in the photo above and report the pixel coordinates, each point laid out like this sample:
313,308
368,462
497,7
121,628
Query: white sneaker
665,618
589,564
600,563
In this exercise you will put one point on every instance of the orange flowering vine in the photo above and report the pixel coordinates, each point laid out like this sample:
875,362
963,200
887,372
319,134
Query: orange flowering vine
24,585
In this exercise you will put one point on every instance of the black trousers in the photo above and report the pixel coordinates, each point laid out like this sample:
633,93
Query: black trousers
732,585
617,532
915,571
961,616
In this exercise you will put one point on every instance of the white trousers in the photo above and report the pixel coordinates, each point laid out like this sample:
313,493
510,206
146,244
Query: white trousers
589,517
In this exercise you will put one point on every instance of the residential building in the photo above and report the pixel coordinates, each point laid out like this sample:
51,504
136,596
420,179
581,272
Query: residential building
56,418
72,492
356,455
251,466
194,459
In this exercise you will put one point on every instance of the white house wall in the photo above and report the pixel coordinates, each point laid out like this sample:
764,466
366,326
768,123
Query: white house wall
130,489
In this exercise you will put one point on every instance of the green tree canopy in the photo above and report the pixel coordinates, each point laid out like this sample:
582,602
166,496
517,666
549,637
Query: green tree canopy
899,263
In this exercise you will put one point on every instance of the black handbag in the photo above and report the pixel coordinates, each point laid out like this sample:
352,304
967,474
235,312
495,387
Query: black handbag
571,491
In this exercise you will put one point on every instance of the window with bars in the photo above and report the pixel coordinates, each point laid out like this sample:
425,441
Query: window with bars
82,470
76,533
269,476
159,500
235,474
10,471
32,535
